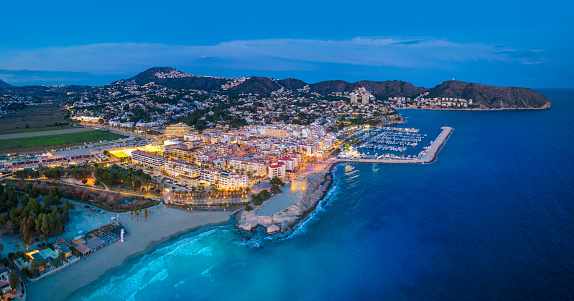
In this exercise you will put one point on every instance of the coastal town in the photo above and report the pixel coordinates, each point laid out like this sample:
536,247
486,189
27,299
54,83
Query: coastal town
106,172
178,154
228,150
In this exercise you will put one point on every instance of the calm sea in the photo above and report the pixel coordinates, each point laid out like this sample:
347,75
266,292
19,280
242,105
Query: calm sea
491,219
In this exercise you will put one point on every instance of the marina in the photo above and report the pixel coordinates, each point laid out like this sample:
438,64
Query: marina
427,155
393,139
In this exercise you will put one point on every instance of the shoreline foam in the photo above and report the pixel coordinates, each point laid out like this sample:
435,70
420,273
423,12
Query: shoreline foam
163,225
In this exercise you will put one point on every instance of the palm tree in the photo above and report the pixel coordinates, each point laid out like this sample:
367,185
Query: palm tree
17,246
132,214
145,213
137,215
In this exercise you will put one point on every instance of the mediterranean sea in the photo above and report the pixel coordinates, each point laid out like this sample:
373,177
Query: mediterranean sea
491,219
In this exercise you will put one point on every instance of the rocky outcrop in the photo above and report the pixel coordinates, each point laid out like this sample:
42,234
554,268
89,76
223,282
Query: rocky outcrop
286,219
392,119
491,97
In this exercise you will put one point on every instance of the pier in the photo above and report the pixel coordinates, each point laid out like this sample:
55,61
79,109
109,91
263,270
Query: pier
428,156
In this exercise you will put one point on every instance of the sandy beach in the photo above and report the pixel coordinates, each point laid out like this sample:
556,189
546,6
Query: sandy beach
163,224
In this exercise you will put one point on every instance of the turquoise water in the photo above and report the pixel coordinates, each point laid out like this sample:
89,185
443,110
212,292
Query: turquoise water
491,219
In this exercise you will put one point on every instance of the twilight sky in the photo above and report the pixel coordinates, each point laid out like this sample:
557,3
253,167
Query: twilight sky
509,43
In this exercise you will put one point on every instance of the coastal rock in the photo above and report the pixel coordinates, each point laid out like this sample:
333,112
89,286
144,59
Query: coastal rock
247,220
273,229
318,184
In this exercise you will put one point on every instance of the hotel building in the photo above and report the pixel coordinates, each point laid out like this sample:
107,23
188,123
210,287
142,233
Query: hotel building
148,159
176,130
176,168
223,179
256,168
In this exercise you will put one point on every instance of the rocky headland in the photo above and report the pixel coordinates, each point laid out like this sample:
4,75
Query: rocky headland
317,186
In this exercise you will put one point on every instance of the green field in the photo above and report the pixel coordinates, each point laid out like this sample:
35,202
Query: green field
36,117
54,141
31,130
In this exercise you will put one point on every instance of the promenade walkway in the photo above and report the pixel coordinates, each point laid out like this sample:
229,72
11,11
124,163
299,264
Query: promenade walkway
280,201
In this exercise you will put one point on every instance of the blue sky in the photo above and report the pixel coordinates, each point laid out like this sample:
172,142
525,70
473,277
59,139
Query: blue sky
509,43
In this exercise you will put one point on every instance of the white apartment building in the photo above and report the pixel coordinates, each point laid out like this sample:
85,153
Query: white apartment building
276,169
365,99
256,168
223,179
290,163
176,168
148,159
308,149
230,180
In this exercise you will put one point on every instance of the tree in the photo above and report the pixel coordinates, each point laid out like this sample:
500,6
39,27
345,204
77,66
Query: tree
132,214
138,215
39,221
1,249
255,200
275,189
17,246
248,208
137,183
26,272
264,195
35,265
14,279
24,200
276,181
145,213
46,226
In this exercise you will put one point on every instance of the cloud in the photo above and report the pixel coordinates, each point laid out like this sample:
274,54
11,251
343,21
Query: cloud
266,54
519,53
409,42
523,56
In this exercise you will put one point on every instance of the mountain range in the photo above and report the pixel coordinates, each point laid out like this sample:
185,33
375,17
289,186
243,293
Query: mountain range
3,84
485,96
